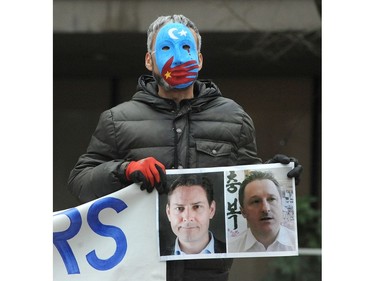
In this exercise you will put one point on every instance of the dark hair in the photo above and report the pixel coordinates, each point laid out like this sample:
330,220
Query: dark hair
192,179
253,176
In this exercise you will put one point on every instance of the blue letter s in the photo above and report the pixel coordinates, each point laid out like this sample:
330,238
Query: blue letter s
107,231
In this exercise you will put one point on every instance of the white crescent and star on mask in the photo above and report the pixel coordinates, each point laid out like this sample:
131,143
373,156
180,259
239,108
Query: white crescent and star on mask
173,36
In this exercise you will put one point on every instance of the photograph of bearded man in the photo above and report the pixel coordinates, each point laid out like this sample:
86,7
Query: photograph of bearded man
260,199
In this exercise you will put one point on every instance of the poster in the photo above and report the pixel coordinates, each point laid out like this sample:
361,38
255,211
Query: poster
229,233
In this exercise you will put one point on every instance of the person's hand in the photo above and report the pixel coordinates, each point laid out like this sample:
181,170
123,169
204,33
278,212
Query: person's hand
149,173
283,159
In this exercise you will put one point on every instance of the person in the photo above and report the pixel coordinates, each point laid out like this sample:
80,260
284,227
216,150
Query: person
260,201
189,209
174,120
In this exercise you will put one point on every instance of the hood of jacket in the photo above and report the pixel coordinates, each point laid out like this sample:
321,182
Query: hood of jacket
147,92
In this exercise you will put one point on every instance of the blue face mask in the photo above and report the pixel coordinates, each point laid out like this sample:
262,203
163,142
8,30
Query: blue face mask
176,55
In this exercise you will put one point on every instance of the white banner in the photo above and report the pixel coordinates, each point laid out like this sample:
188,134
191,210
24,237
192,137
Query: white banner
111,238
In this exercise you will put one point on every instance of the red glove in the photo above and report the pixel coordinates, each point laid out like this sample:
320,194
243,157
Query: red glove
149,172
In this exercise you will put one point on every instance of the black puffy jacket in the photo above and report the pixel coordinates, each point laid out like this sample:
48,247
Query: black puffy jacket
206,131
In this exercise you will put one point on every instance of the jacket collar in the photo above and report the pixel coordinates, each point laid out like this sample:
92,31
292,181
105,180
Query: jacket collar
147,92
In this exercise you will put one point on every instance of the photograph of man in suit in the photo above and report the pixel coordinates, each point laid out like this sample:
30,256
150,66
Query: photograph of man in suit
190,208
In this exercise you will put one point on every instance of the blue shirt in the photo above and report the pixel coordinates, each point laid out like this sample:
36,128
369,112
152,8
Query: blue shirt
209,249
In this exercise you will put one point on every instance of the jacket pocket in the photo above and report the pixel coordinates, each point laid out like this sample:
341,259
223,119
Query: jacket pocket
214,154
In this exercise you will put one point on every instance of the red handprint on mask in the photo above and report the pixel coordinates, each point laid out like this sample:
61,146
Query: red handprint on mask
180,74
